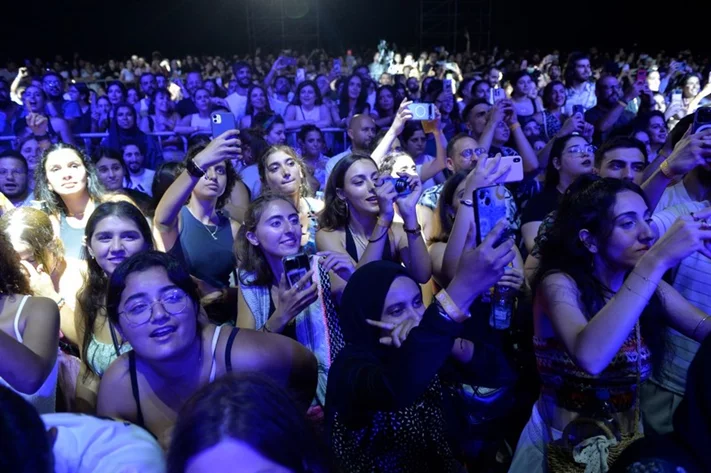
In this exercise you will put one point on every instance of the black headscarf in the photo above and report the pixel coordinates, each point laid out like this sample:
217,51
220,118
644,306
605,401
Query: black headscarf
363,299
692,419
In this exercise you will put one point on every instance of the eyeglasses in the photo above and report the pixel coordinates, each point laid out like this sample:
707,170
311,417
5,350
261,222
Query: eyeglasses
578,149
13,172
140,312
470,152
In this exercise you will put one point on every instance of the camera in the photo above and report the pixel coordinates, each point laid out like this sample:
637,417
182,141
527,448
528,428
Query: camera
400,185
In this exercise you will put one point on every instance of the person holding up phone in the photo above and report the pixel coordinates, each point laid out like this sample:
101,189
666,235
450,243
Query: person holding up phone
198,233
273,301
357,220
611,111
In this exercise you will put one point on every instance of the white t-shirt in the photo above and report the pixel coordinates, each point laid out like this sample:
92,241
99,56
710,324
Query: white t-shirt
143,183
673,195
87,444
237,104
278,106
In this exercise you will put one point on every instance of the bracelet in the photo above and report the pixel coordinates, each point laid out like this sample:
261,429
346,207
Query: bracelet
699,324
622,103
634,292
374,240
193,169
515,126
646,279
450,308
666,170
414,231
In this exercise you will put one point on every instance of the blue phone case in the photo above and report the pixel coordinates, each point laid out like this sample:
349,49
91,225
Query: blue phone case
489,208
222,122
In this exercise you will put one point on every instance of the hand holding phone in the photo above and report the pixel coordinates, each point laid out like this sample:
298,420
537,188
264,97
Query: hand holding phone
222,122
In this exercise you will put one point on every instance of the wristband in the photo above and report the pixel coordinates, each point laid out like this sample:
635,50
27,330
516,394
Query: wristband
515,126
666,170
450,308
193,169
414,231
622,103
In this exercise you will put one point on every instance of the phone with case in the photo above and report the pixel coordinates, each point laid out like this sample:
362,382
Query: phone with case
222,122
515,164
489,208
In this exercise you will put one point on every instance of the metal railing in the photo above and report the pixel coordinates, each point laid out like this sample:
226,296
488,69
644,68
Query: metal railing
332,133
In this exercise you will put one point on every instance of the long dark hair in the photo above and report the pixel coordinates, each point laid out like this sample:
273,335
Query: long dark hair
53,202
296,101
552,174
92,295
344,99
118,136
445,210
249,257
335,210
304,188
396,102
143,261
249,109
13,279
106,152
251,408
586,204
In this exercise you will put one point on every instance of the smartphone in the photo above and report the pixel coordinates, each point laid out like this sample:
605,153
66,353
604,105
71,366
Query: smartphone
515,164
676,96
422,111
300,75
222,122
295,268
499,95
702,119
641,75
578,109
489,208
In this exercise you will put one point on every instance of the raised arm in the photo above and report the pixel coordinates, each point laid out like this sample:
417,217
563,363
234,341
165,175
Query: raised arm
594,343
401,117
431,168
524,148
411,245
224,147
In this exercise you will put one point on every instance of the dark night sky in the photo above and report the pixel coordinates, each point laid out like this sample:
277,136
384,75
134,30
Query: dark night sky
102,29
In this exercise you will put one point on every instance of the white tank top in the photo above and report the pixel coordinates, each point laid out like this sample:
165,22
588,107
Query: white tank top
44,400
198,122
313,114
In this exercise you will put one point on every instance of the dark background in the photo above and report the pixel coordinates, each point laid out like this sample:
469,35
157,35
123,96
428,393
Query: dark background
102,29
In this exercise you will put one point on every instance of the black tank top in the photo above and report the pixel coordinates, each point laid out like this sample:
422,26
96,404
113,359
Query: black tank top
353,252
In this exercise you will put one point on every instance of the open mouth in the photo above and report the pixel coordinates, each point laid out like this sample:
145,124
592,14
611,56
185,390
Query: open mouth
587,162
163,331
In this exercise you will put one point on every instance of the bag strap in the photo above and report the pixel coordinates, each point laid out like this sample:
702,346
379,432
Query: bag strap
638,336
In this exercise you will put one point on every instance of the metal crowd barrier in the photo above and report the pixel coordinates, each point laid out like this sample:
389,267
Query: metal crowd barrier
335,138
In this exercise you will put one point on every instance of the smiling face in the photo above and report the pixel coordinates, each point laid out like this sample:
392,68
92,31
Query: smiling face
66,174
278,231
114,240
111,173
258,99
133,158
282,173
657,130
358,186
307,95
163,334
34,99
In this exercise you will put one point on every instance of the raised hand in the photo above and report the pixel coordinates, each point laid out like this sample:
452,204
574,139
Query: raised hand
224,147
386,195
396,332
487,172
401,117
689,234
691,151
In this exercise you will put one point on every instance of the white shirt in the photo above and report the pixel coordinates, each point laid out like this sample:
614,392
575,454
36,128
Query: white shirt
674,195
237,104
278,106
87,444
143,182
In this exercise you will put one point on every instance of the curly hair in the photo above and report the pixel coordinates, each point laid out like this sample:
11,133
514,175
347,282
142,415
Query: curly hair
249,109
52,201
13,279
230,173
251,258
34,228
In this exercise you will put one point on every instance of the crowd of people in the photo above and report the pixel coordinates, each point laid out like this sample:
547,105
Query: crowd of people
519,280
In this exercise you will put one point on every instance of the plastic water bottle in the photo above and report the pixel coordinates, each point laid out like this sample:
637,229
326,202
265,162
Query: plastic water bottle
502,304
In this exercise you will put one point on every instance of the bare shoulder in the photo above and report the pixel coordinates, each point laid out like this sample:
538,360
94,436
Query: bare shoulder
330,239
115,398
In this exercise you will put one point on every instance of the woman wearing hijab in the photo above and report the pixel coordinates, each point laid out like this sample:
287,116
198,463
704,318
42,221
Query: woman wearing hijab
385,408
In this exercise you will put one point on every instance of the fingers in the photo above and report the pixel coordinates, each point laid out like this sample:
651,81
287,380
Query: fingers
495,233
229,135
380,324
701,214
303,282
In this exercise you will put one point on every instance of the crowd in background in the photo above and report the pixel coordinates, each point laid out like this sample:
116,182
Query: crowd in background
145,263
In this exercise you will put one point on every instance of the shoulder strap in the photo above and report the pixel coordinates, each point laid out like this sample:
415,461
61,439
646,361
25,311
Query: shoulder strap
350,245
387,251
16,323
134,386
213,365
228,350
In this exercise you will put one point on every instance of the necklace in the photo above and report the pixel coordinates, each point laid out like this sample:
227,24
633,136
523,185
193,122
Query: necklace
360,241
213,234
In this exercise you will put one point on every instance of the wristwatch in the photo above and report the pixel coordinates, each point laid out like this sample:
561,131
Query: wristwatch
193,169
414,231
467,202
